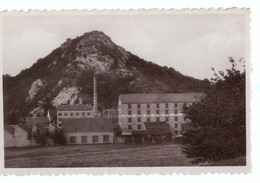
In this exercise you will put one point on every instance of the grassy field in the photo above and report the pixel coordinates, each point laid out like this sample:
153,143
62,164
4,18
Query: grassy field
240,161
111,155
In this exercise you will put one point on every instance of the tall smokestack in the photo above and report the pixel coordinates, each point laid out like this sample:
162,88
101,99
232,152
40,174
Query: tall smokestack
95,97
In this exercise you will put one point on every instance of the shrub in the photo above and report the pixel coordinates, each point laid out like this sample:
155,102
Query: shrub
218,122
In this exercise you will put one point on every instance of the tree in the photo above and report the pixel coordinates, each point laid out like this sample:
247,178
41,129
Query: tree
40,137
217,127
58,137
12,118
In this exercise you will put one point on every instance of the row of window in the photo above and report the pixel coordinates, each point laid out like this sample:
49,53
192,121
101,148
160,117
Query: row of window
139,127
157,119
149,112
76,114
84,139
157,105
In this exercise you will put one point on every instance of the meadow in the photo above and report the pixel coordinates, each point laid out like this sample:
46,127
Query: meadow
106,155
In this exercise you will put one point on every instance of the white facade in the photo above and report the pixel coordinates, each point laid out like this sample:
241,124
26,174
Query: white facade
132,116
90,138
73,114
8,139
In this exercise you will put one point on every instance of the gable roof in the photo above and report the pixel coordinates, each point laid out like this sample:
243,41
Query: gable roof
25,127
41,121
9,129
79,125
80,107
52,113
157,128
160,98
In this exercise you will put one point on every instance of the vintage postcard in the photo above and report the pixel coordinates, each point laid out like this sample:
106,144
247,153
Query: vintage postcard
125,92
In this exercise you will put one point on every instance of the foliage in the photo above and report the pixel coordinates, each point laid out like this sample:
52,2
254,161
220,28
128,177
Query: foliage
217,128
58,137
12,118
40,137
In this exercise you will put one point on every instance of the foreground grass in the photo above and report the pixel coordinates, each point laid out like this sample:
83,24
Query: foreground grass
240,161
110,155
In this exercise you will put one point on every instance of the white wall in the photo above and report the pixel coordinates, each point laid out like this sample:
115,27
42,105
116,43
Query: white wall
89,137
21,138
8,139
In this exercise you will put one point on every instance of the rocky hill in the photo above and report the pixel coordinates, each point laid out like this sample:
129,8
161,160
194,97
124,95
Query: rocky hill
65,76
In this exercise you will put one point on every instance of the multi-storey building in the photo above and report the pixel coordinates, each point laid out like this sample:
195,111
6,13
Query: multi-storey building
136,109
73,111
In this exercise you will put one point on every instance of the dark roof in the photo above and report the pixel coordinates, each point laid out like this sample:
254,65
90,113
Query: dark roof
142,132
25,127
53,113
79,125
160,98
9,129
41,121
80,107
156,128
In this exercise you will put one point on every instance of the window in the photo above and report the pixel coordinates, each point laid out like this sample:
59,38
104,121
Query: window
60,125
167,119
60,114
166,111
166,105
176,119
129,127
176,125
65,114
106,138
84,139
157,105
83,114
138,106
176,132
139,127
157,119
139,119
157,112
129,112
88,113
148,112
139,112
175,111
71,114
148,119
129,106
148,106
72,139
95,139
175,105
59,119
77,114
129,120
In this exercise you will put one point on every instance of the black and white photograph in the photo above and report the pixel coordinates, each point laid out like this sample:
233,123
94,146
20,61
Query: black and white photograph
126,89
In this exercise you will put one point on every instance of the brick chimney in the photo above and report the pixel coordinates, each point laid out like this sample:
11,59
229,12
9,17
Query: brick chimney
95,97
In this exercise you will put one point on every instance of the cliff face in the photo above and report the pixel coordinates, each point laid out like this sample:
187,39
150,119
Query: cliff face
65,76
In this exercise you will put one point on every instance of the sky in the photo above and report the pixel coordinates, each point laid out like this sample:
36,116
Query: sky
191,44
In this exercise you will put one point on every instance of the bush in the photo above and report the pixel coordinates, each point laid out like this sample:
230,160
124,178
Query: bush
218,122
58,137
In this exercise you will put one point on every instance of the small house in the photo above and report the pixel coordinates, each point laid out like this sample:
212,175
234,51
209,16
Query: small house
88,130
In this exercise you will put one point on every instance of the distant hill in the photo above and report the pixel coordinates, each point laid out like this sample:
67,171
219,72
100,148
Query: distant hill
66,76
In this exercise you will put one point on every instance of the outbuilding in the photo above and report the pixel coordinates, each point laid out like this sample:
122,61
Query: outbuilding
88,130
